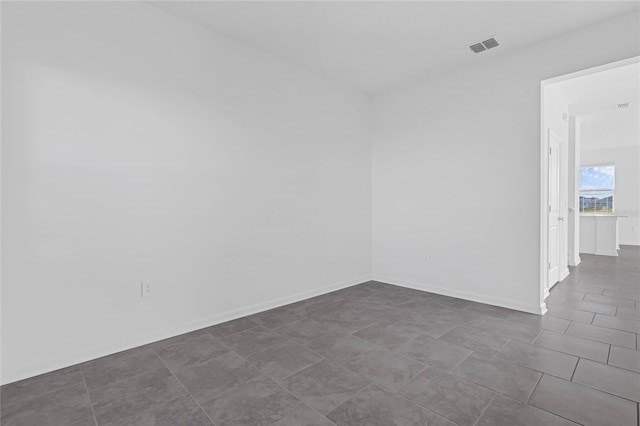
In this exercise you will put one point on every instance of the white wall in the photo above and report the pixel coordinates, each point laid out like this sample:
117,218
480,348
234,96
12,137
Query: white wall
137,146
627,192
456,169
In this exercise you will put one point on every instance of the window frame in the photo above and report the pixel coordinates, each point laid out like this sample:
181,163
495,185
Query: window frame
582,191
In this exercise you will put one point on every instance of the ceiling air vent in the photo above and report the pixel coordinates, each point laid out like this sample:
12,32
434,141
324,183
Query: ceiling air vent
622,106
477,48
489,43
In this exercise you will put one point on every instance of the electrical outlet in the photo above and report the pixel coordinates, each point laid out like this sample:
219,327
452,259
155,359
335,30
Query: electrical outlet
429,258
333,258
145,289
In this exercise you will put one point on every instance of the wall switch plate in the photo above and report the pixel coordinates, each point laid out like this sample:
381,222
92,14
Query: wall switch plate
333,258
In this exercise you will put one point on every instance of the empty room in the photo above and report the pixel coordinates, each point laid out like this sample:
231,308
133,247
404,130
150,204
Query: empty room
331,213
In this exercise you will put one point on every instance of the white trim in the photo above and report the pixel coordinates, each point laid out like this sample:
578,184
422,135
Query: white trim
114,347
544,210
564,274
576,261
592,70
543,308
606,253
474,297
547,134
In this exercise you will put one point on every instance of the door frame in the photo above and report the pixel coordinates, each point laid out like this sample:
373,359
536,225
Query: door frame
544,169
552,135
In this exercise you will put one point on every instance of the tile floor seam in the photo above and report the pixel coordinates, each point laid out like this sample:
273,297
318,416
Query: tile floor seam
344,363
351,397
503,346
424,407
534,389
554,414
418,404
600,341
303,401
539,335
497,391
414,376
292,374
86,388
568,327
185,389
460,363
382,384
600,390
125,377
485,409
576,367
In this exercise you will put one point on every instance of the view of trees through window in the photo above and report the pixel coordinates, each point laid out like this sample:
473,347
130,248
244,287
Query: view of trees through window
596,189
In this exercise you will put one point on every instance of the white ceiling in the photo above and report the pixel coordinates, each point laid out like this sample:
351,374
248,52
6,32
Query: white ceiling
593,98
375,45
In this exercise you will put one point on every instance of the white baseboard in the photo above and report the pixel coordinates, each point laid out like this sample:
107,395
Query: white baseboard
474,297
575,261
564,274
543,308
606,253
133,342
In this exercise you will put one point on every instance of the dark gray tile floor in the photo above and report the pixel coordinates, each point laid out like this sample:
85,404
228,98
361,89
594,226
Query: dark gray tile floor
373,354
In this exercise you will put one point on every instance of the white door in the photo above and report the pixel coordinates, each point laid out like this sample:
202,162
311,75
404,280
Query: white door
554,209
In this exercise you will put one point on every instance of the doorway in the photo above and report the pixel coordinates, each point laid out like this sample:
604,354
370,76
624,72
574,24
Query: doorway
565,114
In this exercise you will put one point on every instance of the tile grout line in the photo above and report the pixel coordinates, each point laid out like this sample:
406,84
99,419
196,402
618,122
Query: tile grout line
185,388
280,384
534,388
397,393
371,383
302,401
576,367
600,390
84,381
486,408
460,363
506,343
414,376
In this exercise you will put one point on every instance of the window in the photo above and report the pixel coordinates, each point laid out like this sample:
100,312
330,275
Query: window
596,189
